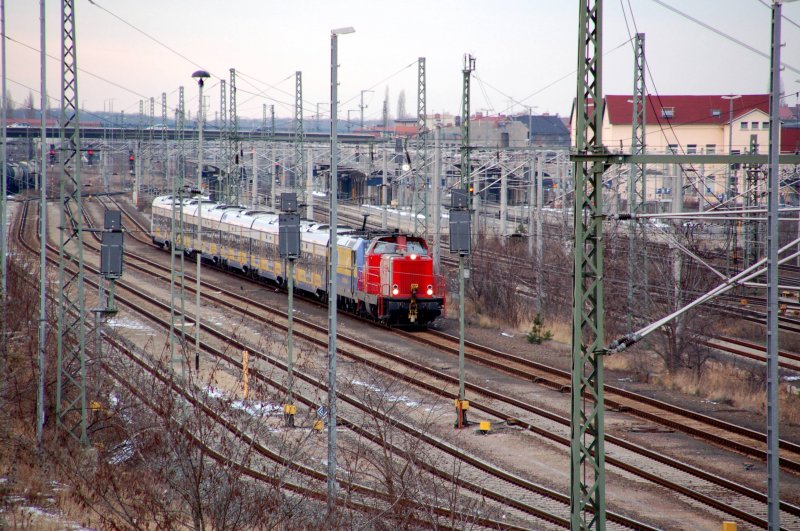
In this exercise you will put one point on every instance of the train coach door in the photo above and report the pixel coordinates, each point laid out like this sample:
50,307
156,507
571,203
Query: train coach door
353,273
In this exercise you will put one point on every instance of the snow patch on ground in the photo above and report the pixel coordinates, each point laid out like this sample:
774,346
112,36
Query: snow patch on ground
130,324
54,517
254,408
122,452
408,402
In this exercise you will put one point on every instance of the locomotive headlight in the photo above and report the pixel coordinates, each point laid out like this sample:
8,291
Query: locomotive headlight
413,256
395,291
430,290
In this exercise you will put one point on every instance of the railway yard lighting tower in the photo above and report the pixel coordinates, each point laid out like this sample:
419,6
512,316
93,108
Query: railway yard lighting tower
201,76
332,487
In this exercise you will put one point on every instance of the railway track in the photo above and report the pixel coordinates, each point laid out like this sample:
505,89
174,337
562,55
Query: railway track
724,434
499,414
548,497
317,335
745,349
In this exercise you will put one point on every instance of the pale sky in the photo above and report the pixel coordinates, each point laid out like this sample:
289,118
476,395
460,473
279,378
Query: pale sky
525,50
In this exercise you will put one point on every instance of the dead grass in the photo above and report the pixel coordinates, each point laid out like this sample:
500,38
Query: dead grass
488,321
735,387
561,330
618,362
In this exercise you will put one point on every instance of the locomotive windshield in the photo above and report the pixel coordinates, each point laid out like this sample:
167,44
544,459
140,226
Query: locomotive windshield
411,247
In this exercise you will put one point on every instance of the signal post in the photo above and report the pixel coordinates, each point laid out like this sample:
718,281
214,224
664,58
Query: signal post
460,242
289,249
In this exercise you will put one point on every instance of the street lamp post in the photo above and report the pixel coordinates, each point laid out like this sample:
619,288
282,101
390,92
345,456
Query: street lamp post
201,76
334,188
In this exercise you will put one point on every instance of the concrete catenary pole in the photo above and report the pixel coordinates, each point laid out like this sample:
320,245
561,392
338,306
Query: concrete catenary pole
437,202
42,229
773,379
333,262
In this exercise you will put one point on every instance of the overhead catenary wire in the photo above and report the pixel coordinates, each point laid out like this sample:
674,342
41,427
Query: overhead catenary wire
722,34
160,43
784,17
82,70
748,274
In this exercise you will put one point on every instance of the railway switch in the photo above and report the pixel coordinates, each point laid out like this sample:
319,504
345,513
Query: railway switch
484,427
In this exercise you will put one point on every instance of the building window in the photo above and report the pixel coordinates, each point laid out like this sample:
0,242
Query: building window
744,125
672,148
764,125
753,125
667,112
691,149
711,149
715,112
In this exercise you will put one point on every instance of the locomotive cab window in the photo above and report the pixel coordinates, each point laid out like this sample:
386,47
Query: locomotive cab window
416,248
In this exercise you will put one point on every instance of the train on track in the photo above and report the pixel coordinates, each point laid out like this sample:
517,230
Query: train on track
386,277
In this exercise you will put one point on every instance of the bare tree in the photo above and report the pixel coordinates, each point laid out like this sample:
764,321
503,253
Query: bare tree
417,482
29,108
401,105
10,104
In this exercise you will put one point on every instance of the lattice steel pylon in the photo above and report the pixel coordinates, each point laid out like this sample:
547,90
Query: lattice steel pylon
178,336
151,122
469,66
587,448
71,358
297,184
637,184
420,199
264,121
753,194
235,174
223,139
164,144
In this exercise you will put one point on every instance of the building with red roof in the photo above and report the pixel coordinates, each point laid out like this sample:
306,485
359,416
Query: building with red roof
689,124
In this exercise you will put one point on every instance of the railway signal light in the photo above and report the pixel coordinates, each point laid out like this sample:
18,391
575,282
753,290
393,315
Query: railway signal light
131,162
52,154
89,156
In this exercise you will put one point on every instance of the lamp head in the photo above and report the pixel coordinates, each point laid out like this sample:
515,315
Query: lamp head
343,31
201,75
